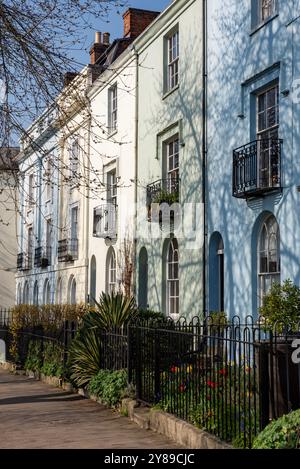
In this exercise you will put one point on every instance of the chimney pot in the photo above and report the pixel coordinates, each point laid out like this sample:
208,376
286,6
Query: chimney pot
98,37
106,38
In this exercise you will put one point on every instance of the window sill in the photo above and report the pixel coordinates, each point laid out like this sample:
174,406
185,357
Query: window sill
170,92
111,134
261,25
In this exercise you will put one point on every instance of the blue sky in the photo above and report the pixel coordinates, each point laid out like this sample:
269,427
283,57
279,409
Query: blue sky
114,25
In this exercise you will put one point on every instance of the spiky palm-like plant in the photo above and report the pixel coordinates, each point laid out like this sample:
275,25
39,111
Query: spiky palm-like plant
85,357
113,311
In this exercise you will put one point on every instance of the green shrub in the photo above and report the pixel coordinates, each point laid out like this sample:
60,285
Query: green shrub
109,386
283,433
52,359
282,305
149,315
34,357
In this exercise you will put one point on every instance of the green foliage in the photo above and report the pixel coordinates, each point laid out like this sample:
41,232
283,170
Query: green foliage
109,386
84,357
52,359
113,310
149,315
283,433
46,357
167,197
282,304
34,357
210,402
217,321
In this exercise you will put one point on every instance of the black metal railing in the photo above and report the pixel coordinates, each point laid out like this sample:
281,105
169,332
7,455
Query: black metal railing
164,190
67,250
24,262
105,221
257,168
228,378
42,257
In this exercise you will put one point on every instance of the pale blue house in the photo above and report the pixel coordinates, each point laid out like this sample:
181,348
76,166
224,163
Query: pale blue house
253,150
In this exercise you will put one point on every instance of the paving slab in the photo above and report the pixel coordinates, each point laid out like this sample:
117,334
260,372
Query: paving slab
35,415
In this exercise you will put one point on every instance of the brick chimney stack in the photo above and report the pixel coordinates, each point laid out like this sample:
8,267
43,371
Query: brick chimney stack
136,21
99,46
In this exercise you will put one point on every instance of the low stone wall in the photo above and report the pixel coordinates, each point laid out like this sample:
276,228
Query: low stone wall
178,430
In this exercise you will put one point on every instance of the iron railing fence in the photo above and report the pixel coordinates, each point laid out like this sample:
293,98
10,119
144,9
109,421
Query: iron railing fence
229,379
114,348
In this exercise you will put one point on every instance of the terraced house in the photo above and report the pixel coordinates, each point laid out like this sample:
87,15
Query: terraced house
253,135
170,248
78,173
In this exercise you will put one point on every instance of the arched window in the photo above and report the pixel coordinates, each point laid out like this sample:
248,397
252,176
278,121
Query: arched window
72,291
216,273
19,294
268,256
59,291
172,294
143,279
26,294
36,293
46,293
111,271
93,278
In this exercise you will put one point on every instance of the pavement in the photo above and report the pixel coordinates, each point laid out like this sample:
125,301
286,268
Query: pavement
38,416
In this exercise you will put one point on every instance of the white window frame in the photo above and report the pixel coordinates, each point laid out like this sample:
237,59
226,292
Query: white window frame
113,109
30,190
173,278
112,190
172,60
264,150
74,208
267,276
172,149
47,177
30,245
74,161
112,272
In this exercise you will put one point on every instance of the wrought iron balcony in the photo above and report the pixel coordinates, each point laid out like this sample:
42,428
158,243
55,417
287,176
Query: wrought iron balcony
163,190
257,168
24,262
67,250
42,257
105,221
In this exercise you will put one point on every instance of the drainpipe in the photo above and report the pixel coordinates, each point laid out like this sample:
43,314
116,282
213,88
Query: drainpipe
134,283
87,207
204,145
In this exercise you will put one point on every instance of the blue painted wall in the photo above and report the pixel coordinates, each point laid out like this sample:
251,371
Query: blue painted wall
240,62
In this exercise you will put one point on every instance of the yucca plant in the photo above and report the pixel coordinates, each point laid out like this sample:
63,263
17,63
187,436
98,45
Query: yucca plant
85,357
112,311
85,360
